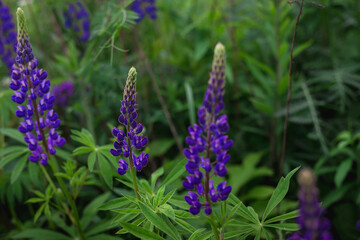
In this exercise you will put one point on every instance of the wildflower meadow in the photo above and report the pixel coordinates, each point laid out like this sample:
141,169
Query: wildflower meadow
180,120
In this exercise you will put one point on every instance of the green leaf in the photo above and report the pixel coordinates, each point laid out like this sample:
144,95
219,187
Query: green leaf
279,193
10,157
204,236
283,217
190,102
167,210
140,232
19,167
92,208
160,147
115,203
155,175
167,197
158,197
106,170
82,150
284,226
185,225
83,137
41,234
35,200
91,161
244,234
196,234
157,221
38,212
175,173
47,210
14,134
342,172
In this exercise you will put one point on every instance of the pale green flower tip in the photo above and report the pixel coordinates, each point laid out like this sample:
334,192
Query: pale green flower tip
219,49
132,71
132,76
22,30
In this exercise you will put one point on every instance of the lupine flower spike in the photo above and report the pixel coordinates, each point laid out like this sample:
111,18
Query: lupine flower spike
77,19
31,93
313,224
7,36
130,139
143,8
206,137
63,93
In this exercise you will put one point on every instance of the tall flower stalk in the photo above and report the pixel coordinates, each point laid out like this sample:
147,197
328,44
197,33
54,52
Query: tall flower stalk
35,106
77,19
208,144
131,139
313,224
7,36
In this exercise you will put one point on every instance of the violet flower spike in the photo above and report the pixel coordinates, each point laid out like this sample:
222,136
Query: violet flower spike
313,224
7,37
63,93
143,8
31,93
130,139
77,19
206,137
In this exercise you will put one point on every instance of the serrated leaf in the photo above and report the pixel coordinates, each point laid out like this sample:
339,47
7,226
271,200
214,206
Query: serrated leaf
140,232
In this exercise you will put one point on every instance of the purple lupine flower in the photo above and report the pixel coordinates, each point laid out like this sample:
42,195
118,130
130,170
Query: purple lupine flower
32,93
358,226
7,36
143,8
130,139
63,93
77,19
313,224
209,136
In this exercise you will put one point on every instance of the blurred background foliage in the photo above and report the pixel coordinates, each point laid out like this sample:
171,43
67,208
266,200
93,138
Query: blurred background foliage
172,55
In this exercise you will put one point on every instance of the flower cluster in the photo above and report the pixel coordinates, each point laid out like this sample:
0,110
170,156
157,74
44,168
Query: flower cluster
77,18
63,93
126,142
32,93
7,36
143,8
313,224
206,137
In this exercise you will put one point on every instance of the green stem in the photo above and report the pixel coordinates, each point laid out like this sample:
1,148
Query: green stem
213,227
68,197
133,175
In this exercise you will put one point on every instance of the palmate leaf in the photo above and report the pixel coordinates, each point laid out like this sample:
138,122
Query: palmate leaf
279,193
158,222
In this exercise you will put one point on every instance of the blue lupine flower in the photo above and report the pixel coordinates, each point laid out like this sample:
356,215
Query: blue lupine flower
143,8
209,136
31,91
7,36
313,224
63,93
130,139
77,19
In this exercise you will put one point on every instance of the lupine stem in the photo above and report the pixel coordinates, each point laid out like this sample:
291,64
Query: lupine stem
132,168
